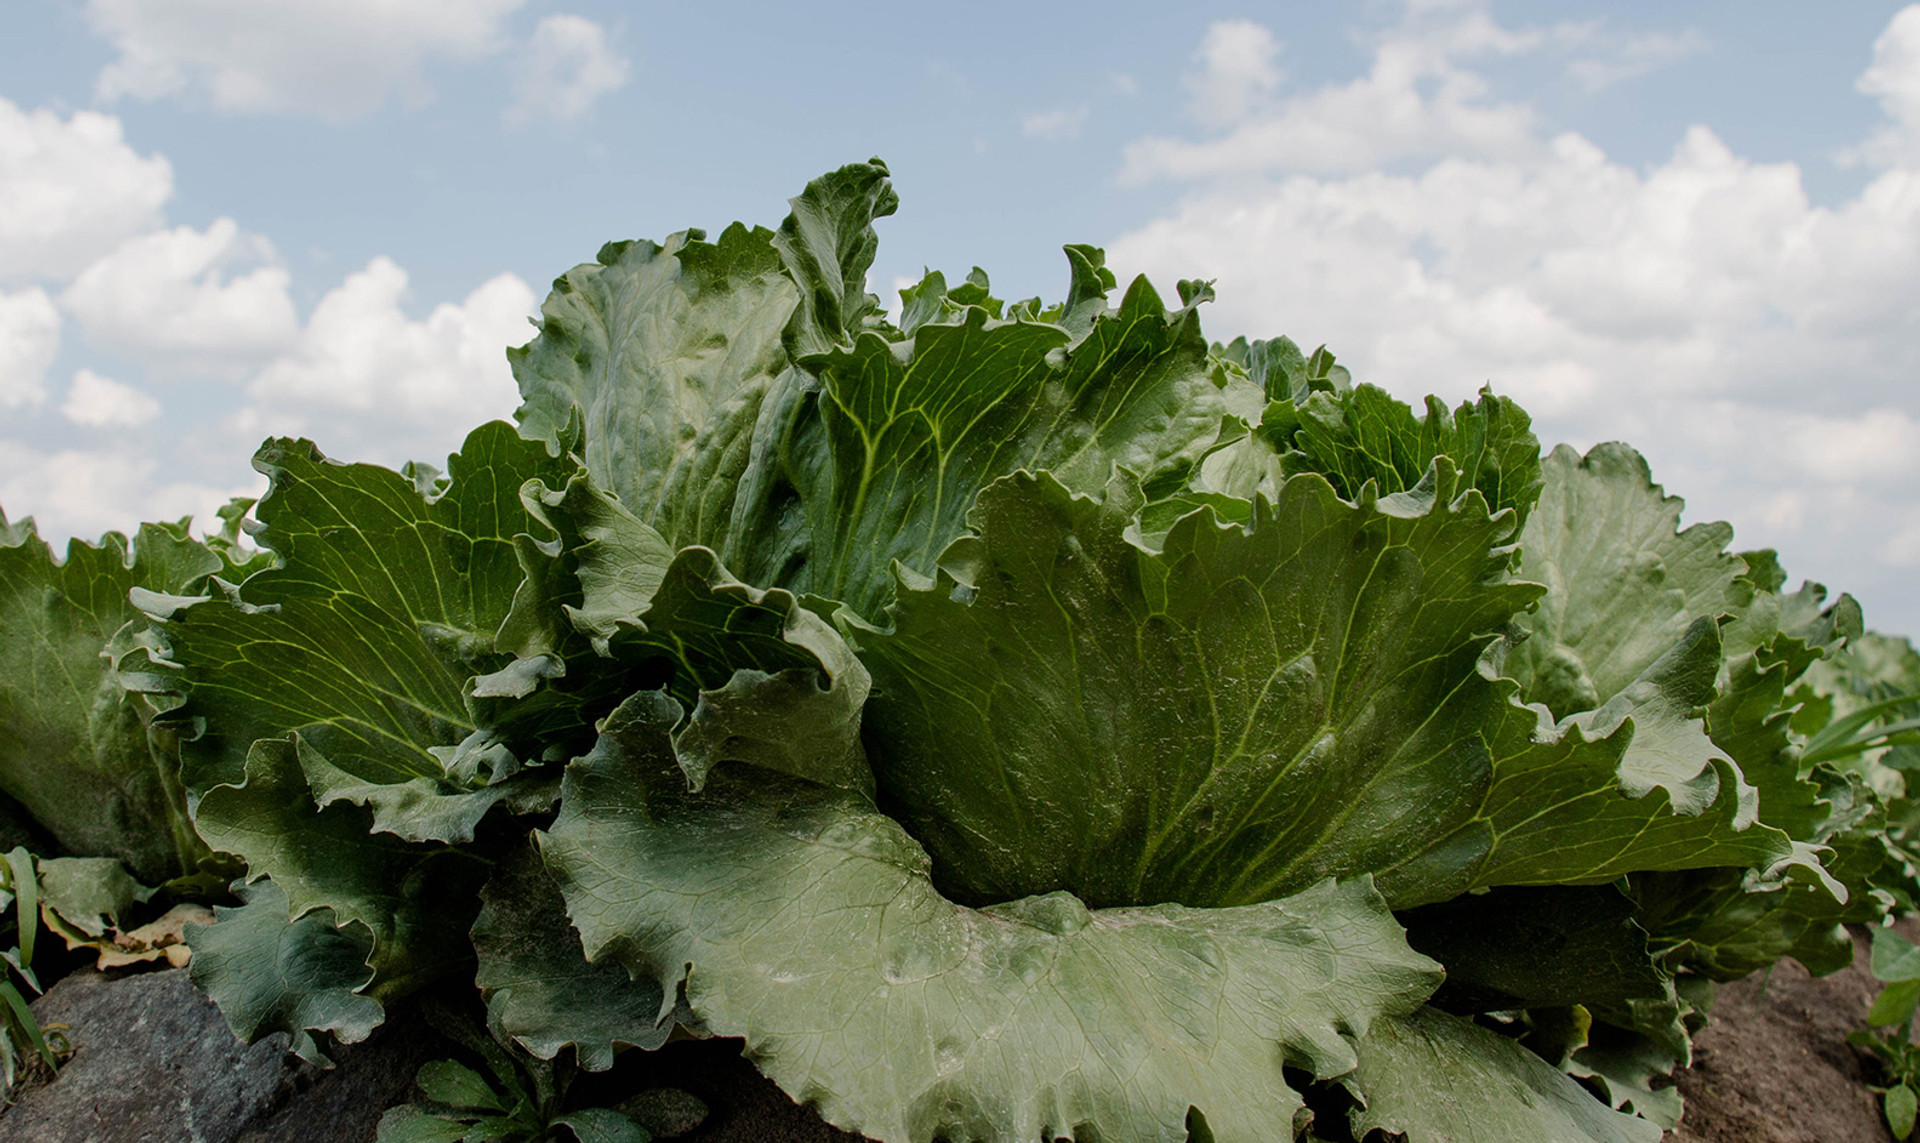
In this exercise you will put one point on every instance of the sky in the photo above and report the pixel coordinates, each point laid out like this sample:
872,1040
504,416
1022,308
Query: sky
1691,226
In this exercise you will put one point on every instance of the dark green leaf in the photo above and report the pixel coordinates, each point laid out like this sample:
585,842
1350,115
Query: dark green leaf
1431,1076
364,636
540,990
75,746
269,973
603,1125
1902,1102
456,1085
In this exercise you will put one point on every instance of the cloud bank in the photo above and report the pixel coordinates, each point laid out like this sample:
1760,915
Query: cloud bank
1760,349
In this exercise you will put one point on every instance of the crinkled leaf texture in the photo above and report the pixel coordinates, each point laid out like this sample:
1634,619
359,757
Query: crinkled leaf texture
798,917
351,709
1222,721
1364,434
77,748
364,637
541,992
270,974
1435,1078
407,905
816,473
1230,717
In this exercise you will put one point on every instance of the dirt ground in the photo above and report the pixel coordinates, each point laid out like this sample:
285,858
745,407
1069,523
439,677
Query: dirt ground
1773,1064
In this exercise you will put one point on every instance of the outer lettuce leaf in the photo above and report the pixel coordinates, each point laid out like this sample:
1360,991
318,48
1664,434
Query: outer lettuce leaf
77,749
541,992
1624,585
363,639
800,918
1632,626
667,365
1604,793
270,974
1727,923
415,900
1435,1078
1769,647
1220,722
827,244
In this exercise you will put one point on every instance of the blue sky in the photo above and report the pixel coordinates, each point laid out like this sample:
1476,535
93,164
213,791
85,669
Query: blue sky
231,218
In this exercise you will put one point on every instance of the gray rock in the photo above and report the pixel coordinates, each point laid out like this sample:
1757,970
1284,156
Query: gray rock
154,1062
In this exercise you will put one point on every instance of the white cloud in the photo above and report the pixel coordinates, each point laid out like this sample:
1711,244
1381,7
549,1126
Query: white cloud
367,382
1894,79
566,66
1761,350
85,493
335,60
1063,123
29,341
71,190
167,297
1238,74
103,403
1415,101
1610,59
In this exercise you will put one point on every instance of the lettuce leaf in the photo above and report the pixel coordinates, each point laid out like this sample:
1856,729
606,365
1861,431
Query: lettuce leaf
371,638
79,749
802,919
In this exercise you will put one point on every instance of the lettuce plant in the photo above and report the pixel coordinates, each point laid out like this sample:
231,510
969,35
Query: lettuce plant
1014,720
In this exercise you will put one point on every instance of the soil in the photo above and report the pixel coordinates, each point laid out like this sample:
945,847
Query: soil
1773,1064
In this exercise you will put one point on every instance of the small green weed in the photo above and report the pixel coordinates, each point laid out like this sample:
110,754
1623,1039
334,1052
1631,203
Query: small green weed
522,1102
21,1037
1896,964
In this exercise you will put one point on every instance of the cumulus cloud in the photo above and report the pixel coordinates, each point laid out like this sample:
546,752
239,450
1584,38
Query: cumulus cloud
88,492
335,60
71,190
102,403
1894,80
168,297
29,341
1061,123
566,66
1609,59
368,382
1760,349
1416,100
1238,75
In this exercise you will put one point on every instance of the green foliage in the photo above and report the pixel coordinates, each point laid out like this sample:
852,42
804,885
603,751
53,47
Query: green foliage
1896,965
517,1100
1022,721
83,750
21,1037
